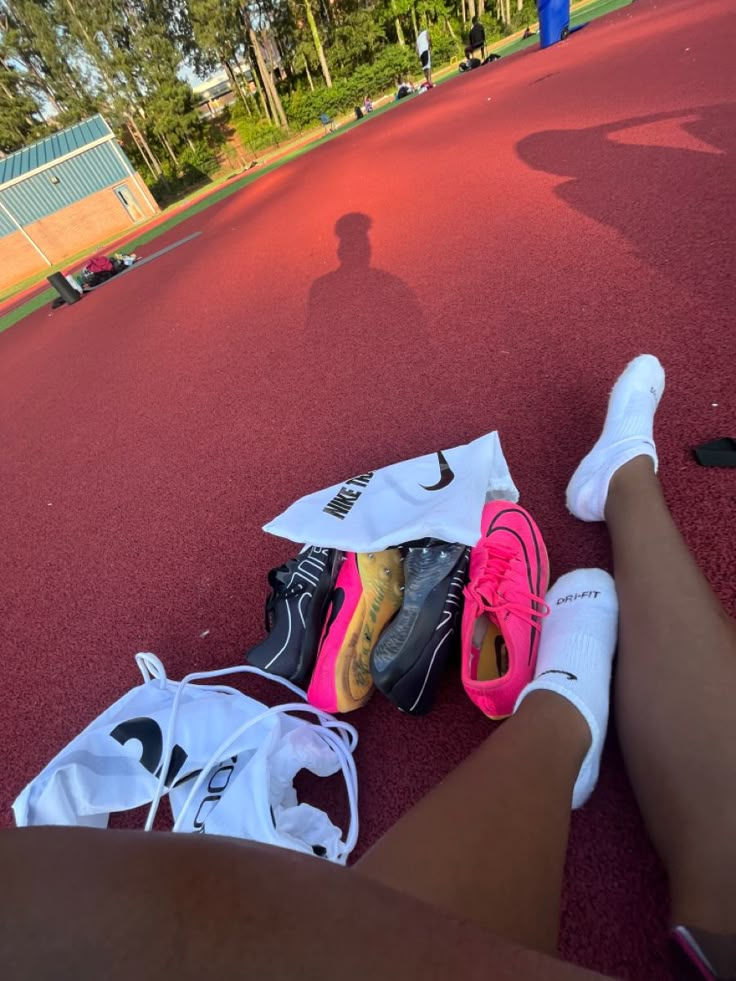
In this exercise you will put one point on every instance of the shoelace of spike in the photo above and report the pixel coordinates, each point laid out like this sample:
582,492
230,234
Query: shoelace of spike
485,593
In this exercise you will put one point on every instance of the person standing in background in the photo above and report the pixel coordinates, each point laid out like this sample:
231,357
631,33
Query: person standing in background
477,37
424,50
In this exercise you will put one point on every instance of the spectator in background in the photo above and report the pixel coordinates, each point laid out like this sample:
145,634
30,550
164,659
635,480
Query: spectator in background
477,37
367,104
424,50
403,88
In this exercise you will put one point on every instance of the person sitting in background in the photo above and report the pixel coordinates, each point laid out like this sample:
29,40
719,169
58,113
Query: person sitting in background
527,33
477,37
367,104
403,88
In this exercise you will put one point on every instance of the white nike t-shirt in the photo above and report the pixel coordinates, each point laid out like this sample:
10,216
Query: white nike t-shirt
440,495
422,43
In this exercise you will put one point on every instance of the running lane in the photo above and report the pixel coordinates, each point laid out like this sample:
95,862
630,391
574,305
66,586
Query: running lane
532,227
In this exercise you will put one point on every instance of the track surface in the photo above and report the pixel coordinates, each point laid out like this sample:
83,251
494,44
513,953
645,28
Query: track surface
534,226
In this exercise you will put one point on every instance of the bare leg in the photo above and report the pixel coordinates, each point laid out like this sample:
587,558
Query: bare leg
486,847
675,696
488,844
79,905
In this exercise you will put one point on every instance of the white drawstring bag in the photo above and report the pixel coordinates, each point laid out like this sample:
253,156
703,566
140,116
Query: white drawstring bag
439,495
230,764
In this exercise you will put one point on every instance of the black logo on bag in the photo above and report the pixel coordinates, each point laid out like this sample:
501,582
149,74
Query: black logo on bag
446,474
216,787
148,733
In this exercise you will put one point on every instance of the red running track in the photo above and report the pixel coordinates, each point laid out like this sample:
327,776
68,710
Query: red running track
534,225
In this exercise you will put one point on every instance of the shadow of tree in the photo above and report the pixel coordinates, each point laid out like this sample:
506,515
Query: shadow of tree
664,181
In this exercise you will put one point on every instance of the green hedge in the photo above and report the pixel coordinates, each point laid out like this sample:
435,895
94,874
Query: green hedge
445,48
304,107
255,133
196,165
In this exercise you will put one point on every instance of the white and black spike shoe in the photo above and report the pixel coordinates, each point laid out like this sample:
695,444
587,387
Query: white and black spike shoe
300,591
409,658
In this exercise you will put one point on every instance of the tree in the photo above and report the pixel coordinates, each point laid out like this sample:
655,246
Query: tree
38,44
168,101
317,43
397,22
257,25
218,36
20,121
272,94
68,58
130,48
355,40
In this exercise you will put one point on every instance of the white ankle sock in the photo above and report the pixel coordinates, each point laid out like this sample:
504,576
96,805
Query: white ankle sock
627,432
575,658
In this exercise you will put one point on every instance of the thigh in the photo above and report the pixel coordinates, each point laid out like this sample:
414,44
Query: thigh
83,904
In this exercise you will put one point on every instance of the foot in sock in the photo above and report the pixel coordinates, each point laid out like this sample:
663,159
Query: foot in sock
576,655
628,432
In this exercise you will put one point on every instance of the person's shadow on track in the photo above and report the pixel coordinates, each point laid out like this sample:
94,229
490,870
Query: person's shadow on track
664,181
365,336
358,307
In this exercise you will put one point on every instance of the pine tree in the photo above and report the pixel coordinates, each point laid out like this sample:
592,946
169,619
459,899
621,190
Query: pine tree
40,45
20,120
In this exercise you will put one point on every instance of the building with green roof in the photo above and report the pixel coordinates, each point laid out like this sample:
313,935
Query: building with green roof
64,193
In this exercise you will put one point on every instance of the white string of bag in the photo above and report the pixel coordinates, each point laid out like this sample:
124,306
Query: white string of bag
341,737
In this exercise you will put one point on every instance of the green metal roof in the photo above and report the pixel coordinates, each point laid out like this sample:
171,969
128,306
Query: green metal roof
57,145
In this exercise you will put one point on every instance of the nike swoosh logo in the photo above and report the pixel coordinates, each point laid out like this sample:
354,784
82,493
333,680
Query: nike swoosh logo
570,677
446,474
495,525
336,601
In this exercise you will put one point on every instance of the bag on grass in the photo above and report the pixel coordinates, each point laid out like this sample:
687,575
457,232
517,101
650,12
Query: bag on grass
226,761
440,495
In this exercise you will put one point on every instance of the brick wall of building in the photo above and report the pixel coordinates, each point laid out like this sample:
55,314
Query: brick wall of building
18,259
144,196
71,230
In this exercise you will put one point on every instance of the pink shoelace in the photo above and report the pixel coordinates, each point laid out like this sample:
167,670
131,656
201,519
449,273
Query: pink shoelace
498,572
